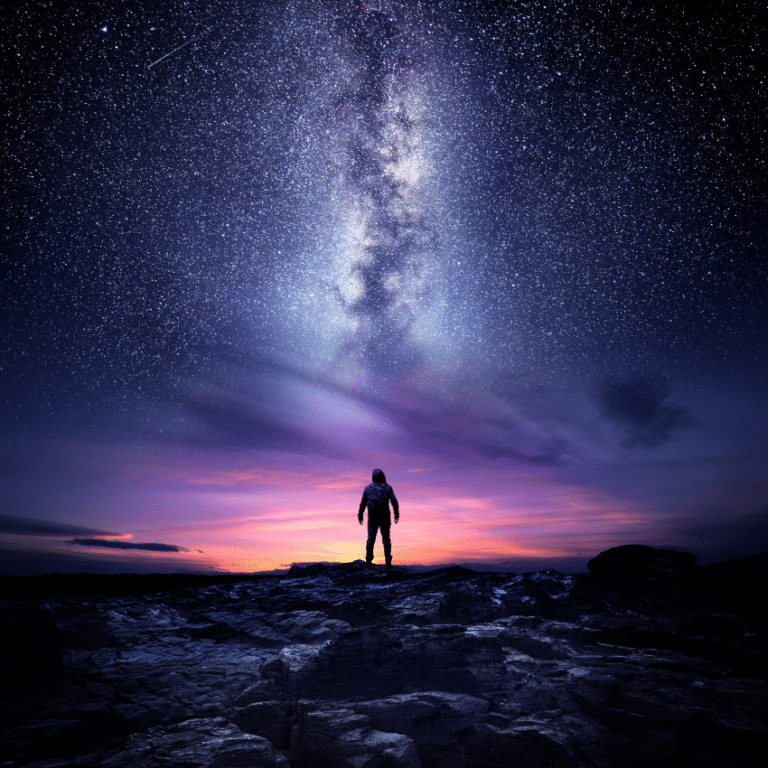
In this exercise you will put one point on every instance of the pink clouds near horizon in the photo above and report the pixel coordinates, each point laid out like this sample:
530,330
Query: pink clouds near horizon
257,518
232,509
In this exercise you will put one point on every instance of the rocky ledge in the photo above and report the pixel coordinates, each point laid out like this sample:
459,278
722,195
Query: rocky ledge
648,660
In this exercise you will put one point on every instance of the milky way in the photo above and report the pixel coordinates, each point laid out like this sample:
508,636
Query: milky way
554,188
524,230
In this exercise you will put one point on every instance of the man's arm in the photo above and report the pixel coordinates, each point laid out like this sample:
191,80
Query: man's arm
395,505
363,502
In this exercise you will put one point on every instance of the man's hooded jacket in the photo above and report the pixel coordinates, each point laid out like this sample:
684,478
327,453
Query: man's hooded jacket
376,497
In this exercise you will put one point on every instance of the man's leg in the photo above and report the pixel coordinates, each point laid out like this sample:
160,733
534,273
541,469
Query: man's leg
372,527
387,542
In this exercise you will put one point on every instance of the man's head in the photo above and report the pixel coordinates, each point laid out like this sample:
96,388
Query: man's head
378,476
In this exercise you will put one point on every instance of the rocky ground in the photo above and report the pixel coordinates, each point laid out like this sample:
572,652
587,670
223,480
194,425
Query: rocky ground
649,660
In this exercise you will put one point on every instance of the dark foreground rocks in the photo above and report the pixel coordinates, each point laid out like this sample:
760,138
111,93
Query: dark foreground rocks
649,660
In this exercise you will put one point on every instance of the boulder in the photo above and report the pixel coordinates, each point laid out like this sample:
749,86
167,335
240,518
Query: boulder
638,561
345,739
375,662
268,719
201,743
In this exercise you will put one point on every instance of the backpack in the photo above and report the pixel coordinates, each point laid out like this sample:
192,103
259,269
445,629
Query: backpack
378,497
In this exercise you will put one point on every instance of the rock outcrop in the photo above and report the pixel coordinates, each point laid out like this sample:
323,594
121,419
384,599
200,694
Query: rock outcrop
649,660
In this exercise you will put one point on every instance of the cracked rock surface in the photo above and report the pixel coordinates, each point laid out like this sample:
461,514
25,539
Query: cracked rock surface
647,661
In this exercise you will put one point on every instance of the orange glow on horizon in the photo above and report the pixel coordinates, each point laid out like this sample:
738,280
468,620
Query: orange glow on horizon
565,523
247,518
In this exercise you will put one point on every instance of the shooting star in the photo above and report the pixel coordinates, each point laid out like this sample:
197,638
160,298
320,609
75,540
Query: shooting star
183,45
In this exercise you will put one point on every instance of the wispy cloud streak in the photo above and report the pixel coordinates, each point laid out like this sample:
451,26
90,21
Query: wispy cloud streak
113,544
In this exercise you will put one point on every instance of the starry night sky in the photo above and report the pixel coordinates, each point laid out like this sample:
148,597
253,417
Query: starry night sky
512,253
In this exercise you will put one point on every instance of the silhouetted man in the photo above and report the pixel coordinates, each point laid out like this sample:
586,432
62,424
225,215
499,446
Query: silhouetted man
376,497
